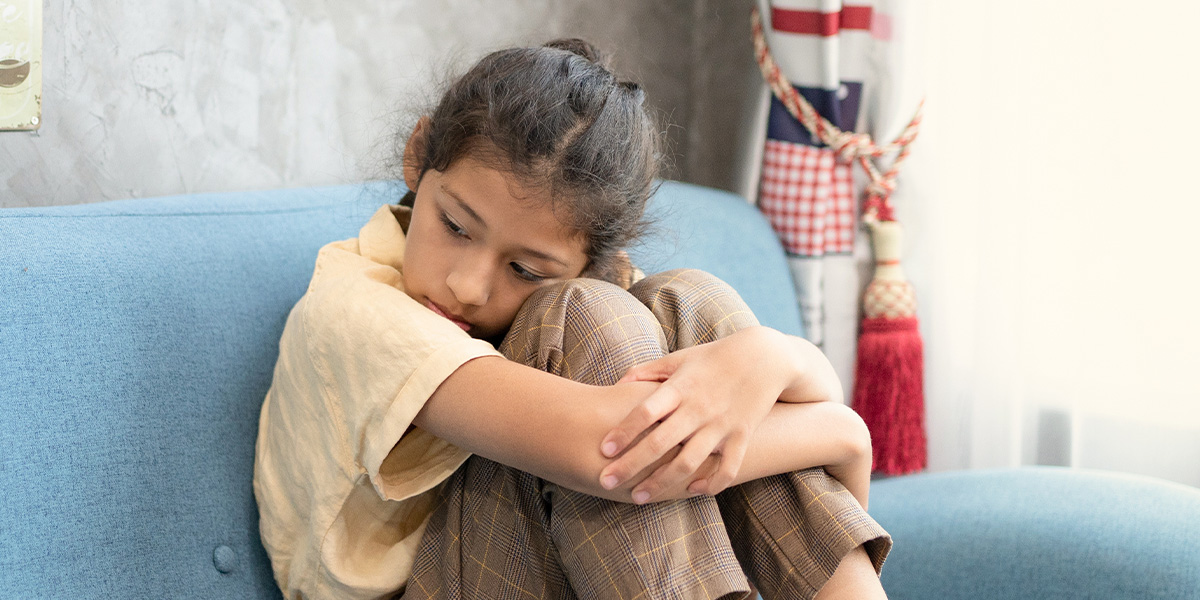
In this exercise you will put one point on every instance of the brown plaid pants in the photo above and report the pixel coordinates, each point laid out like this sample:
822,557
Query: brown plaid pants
499,533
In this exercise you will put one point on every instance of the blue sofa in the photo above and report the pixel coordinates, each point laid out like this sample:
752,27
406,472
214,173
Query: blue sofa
137,339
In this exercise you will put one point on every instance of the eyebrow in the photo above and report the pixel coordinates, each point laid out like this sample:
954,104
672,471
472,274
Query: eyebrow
541,255
475,216
463,205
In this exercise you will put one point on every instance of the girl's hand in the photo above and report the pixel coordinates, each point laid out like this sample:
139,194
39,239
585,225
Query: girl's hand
712,398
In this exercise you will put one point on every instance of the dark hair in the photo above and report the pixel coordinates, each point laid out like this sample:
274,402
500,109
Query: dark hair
558,118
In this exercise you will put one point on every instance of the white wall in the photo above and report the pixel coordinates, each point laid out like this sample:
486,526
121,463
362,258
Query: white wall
1052,206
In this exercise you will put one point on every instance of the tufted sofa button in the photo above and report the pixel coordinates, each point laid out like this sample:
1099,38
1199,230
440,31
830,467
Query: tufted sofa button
224,558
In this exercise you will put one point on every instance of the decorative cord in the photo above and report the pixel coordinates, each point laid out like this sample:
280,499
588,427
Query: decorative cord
847,145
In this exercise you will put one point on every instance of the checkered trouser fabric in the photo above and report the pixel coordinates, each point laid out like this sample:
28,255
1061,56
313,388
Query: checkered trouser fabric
808,197
499,533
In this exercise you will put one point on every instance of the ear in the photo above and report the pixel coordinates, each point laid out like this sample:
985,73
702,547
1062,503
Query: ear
414,153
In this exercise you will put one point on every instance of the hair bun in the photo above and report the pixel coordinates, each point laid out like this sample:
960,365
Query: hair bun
580,47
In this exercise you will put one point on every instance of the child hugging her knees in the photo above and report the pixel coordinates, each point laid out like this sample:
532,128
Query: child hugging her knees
475,399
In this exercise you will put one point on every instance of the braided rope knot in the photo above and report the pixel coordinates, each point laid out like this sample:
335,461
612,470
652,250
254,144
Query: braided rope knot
849,145
882,187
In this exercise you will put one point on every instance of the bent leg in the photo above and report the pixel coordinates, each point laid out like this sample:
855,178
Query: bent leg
593,332
488,537
501,533
791,532
693,307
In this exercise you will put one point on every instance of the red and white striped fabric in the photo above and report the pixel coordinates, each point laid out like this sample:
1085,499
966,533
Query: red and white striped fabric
808,198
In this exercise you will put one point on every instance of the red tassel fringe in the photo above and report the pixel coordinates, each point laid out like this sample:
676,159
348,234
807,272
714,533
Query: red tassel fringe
889,393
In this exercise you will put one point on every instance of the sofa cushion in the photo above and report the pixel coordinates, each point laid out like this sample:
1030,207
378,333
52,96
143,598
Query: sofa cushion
1041,532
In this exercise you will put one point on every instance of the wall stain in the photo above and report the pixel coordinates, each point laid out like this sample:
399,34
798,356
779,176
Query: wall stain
157,74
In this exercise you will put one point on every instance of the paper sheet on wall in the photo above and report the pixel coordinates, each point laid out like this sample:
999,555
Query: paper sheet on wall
20,64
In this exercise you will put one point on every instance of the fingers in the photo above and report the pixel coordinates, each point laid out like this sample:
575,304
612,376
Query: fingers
650,448
675,473
655,370
656,407
670,433
732,454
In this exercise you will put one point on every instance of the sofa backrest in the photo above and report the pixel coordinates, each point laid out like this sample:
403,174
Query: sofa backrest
721,233
137,340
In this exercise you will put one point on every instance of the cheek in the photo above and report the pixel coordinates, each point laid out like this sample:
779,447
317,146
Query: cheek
504,307
429,269
508,303
420,259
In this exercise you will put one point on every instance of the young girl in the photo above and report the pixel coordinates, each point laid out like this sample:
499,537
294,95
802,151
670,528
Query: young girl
622,443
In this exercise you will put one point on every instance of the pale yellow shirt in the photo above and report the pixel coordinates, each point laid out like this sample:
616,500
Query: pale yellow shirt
343,491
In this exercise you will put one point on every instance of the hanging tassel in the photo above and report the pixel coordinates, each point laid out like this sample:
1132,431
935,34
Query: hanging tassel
889,375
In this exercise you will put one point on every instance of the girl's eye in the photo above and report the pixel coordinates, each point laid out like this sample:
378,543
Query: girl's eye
453,227
525,274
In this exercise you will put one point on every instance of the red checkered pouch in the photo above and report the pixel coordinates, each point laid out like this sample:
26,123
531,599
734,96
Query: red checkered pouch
808,197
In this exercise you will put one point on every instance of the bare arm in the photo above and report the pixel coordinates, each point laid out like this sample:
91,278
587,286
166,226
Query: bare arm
713,398
800,436
551,427
531,420
813,377
790,438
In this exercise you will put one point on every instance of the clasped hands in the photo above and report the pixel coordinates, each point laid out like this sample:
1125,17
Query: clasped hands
701,407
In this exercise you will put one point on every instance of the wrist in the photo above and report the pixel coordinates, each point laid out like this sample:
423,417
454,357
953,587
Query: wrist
780,359
812,378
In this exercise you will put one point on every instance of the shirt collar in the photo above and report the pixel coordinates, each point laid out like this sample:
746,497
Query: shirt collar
382,239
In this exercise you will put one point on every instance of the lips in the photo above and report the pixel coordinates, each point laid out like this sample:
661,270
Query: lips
453,318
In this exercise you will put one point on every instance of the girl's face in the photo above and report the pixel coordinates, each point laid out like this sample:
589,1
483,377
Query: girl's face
480,243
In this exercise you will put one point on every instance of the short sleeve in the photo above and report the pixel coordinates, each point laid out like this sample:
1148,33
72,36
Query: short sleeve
381,356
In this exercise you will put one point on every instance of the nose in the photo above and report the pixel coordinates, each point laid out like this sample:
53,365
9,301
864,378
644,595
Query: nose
470,282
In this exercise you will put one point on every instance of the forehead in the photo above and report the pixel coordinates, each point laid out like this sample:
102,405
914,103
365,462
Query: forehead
526,182
507,208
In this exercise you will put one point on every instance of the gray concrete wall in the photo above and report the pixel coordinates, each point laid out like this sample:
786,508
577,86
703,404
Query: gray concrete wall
728,111
145,99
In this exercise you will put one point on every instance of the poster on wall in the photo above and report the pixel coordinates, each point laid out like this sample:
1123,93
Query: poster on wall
20,64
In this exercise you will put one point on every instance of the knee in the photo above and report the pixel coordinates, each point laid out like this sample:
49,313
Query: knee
588,304
695,305
681,278
579,304
584,326
580,291
684,287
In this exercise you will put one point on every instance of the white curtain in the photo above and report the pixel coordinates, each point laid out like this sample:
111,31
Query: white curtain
1052,210
1051,213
